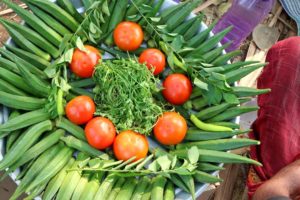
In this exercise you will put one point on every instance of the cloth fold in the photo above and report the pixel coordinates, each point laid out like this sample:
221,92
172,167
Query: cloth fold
278,122
292,7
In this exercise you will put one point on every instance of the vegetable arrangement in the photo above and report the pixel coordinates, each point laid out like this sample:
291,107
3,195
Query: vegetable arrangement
62,125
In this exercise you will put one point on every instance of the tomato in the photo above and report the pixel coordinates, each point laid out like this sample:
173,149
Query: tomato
128,36
177,89
129,144
83,63
100,132
170,128
153,58
80,109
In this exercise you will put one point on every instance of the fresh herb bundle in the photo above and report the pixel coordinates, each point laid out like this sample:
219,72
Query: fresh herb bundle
124,94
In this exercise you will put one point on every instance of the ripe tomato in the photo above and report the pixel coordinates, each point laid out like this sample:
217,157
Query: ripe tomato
80,109
153,58
128,144
170,128
100,132
83,63
177,89
128,36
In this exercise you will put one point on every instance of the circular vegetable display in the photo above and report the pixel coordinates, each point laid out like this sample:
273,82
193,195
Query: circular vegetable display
153,112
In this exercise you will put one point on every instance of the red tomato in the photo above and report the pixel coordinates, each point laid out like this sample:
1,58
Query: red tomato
80,109
153,58
128,36
129,144
177,89
83,63
170,128
100,132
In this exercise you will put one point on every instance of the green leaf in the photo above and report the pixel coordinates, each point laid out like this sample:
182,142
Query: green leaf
105,8
80,45
202,85
155,19
174,162
177,43
213,95
154,166
164,162
67,57
193,155
230,98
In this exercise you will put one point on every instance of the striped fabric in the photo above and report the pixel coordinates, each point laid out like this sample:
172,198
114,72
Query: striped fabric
292,7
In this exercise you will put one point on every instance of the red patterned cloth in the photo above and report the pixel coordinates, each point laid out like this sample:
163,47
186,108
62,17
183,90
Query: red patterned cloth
278,122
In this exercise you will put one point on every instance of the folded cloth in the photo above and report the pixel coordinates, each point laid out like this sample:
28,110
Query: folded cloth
278,122
292,7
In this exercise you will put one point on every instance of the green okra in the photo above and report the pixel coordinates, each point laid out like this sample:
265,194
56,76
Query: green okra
199,135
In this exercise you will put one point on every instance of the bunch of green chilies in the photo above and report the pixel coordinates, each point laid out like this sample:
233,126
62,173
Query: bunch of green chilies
38,144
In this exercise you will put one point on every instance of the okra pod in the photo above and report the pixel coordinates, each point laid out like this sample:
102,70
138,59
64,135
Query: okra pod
31,136
33,69
211,42
158,186
203,177
7,87
106,187
199,135
36,168
39,148
194,29
83,147
216,157
57,12
80,186
238,74
141,187
127,189
55,183
212,111
220,144
50,21
198,39
169,193
116,189
68,6
24,43
232,113
72,128
37,24
21,102
223,59
207,167
53,167
24,120
37,61
248,92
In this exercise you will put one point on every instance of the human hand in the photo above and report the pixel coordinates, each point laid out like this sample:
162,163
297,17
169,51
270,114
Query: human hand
285,183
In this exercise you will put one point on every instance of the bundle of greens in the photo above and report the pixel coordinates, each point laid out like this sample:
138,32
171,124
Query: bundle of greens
124,93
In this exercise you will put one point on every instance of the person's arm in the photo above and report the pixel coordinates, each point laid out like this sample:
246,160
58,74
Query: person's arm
286,183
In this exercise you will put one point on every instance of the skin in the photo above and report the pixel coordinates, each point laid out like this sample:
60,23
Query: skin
285,183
